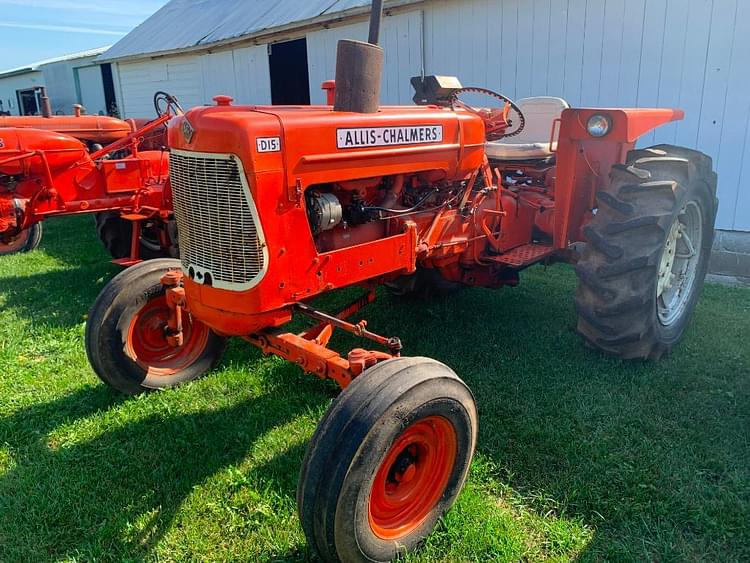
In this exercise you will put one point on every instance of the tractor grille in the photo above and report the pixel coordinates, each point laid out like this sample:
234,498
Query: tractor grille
220,238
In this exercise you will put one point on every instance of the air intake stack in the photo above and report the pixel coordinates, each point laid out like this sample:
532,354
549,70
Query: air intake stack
359,68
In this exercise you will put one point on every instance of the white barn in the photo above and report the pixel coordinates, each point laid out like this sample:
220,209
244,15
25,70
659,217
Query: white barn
690,54
71,79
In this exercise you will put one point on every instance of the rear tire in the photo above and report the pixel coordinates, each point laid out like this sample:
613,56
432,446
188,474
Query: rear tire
648,251
26,241
125,339
387,461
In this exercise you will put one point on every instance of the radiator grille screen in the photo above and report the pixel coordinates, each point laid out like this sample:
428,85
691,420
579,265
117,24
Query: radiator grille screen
218,236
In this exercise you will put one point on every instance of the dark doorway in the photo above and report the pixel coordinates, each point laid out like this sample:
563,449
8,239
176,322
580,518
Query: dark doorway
290,81
109,90
28,102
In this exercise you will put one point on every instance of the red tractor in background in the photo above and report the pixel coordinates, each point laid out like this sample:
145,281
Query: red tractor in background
277,205
56,165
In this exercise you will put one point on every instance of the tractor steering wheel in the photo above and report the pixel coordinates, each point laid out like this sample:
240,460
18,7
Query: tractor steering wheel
499,123
166,103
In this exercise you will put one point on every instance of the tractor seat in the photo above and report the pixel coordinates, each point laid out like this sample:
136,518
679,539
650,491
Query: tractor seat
533,142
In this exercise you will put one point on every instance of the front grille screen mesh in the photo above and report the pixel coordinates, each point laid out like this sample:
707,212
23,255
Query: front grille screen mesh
215,224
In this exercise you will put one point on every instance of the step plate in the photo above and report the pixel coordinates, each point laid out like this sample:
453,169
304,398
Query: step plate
523,255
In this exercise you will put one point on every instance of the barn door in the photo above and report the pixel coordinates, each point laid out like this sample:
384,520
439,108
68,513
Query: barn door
252,75
90,88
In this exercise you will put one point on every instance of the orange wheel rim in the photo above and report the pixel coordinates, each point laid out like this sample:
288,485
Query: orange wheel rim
16,243
147,340
412,478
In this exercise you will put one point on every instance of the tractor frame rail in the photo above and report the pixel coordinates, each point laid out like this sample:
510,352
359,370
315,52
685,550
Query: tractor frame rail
308,349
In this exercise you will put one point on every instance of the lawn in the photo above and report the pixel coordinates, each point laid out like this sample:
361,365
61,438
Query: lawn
580,456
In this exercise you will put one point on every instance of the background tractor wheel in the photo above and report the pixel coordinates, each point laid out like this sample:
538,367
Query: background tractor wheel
26,241
125,339
116,234
425,283
387,460
648,251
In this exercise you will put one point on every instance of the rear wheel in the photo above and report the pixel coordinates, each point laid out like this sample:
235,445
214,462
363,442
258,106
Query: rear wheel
648,250
25,241
388,459
126,339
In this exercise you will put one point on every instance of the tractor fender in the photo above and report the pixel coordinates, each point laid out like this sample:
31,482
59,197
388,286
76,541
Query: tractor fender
628,125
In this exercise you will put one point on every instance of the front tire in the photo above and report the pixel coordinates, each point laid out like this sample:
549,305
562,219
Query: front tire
648,251
387,461
25,241
125,338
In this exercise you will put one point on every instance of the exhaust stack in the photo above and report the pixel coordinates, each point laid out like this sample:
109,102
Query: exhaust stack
376,18
46,106
359,68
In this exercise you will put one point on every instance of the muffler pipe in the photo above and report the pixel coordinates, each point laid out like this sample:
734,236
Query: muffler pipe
359,68
46,106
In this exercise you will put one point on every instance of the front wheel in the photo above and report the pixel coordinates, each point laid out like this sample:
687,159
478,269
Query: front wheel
388,459
25,241
126,340
648,250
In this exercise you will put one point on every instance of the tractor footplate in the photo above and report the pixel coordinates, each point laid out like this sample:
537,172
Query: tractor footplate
523,256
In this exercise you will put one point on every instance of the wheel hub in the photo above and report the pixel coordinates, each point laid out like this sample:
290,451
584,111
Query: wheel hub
147,342
412,478
679,264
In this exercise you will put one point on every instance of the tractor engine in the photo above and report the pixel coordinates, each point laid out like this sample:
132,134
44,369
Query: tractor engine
274,204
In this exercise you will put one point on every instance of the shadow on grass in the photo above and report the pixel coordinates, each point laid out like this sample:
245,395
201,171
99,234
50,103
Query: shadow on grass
654,457
73,241
81,500
75,267
30,298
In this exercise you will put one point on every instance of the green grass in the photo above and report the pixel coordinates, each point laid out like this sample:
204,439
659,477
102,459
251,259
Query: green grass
579,457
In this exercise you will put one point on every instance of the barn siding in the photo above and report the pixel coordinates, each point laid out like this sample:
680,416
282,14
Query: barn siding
11,84
195,79
401,37
691,54
59,79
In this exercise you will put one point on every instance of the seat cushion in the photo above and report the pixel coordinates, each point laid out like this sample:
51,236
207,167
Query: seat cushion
519,151
534,141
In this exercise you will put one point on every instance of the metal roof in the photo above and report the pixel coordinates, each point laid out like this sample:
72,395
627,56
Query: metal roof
191,24
33,67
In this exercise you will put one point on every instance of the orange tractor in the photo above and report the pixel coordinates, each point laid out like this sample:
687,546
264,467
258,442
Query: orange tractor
277,205
56,165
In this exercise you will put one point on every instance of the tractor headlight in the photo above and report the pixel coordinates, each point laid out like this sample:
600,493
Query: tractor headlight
599,125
